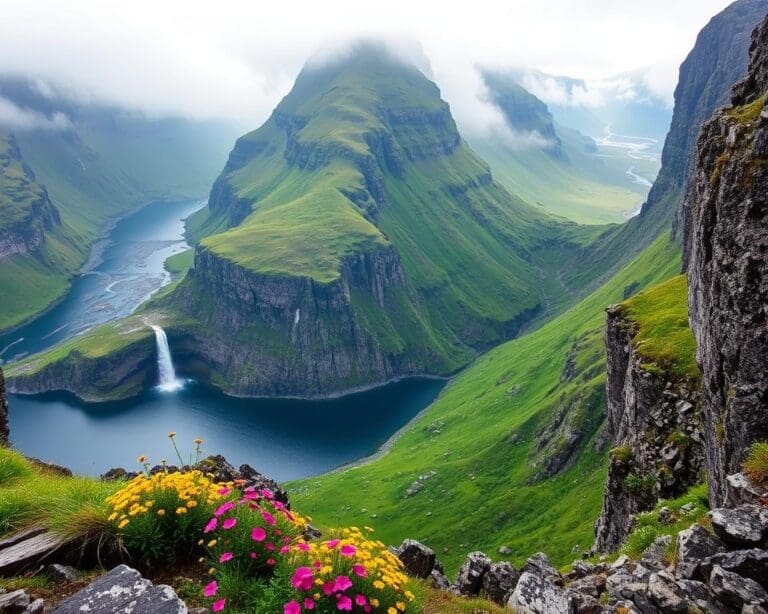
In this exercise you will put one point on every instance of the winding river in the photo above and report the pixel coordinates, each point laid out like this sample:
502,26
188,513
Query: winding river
285,438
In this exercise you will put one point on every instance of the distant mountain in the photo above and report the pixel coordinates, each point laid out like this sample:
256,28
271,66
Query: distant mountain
555,167
94,163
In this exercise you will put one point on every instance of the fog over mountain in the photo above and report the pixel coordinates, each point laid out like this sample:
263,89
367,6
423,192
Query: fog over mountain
239,61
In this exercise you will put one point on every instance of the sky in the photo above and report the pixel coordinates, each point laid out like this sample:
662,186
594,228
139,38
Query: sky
236,59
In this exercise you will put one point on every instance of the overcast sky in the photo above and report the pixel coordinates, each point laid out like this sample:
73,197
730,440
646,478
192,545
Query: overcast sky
237,59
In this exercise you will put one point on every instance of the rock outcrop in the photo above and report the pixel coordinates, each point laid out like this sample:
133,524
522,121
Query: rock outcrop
4,430
652,418
728,272
26,209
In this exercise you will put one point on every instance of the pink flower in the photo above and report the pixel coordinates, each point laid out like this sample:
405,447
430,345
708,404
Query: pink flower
226,556
309,603
302,579
250,496
258,534
285,550
271,562
292,607
269,546
278,505
211,526
304,547
268,518
347,550
328,588
223,491
211,589
218,606
229,523
359,571
254,555
342,583
361,600
317,564
267,493
223,509
344,603
332,543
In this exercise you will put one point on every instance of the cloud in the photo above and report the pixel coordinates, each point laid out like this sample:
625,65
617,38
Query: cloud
17,118
237,59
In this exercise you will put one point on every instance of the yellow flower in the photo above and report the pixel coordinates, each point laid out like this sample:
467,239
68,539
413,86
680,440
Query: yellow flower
161,512
172,434
212,543
378,584
400,606
142,459
197,441
374,602
191,503
123,523
391,610
181,510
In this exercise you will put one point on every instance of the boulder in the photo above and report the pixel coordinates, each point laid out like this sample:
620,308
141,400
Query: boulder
751,564
36,607
469,580
700,596
584,604
14,602
667,594
29,552
418,560
736,591
438,580
654,555
499,581
537,595
123,591
540,565
739,489
593,585
639,594
694,545
742,527
62,573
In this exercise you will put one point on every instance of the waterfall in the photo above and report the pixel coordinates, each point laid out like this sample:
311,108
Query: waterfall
168,381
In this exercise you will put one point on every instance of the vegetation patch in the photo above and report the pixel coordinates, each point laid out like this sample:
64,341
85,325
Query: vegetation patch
756,464
749,112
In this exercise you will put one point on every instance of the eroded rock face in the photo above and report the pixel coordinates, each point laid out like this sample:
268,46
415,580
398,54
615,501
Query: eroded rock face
654,423
727,272
469,579
123,591
4,431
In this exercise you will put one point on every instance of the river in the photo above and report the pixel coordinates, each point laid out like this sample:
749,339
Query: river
286,439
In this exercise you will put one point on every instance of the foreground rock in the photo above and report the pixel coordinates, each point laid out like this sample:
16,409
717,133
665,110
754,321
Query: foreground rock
29,549
535,595
123,591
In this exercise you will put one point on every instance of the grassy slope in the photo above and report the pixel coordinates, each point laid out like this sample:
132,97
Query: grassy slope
481,497
586,187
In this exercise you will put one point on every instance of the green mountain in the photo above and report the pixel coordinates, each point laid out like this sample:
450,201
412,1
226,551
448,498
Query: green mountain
101,164
513,452
557,168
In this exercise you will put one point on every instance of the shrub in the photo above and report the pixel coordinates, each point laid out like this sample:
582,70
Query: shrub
622,454
263,564
12,466
638,484
756,464
158,517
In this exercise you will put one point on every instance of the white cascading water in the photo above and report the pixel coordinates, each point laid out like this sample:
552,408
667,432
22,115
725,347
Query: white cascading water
168,380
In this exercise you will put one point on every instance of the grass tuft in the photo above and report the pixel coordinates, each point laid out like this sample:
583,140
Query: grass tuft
756,464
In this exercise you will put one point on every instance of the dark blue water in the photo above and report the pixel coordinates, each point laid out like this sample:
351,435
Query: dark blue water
129,268
286,439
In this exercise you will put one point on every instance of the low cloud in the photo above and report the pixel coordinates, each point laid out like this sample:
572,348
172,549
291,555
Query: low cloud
17,118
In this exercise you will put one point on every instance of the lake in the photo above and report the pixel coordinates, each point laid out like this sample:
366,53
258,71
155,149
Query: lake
283,438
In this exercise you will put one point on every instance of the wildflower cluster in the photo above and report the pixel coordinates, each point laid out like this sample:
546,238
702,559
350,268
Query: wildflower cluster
159,516
351,574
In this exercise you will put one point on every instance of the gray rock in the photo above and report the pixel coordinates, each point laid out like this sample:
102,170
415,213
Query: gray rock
700,596
667,594
418,560
536,595
438,580
584,604
62,573
739,490
743,527
581,569
751,563
123,591
753,609
36,607
14,602
593,585
499,581
29,552
505,550
694,545
639,594
653,555
540,565
469,580
734,590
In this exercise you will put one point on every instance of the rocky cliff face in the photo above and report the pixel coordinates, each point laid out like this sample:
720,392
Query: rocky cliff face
3,411
654,422
27,211
278,335
727,271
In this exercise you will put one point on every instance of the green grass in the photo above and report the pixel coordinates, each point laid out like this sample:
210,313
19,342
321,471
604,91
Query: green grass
662,336
485,494
32,496
178,264
748,112
756,464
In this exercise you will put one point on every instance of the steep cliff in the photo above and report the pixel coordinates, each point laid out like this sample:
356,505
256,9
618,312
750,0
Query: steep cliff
652,408
26,212
355,238
727,271
3,411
